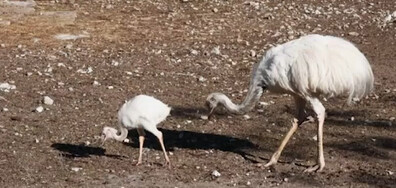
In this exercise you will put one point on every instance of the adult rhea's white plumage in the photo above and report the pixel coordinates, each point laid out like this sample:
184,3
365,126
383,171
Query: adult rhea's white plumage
142,113
306,68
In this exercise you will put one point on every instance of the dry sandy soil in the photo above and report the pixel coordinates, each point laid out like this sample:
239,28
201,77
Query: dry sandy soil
179,52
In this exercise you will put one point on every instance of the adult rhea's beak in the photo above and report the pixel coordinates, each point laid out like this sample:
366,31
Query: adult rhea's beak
103,138
211,113
210,108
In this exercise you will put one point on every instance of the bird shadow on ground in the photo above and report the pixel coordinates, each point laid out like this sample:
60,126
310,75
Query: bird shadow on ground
377,147
77,151
374,180
194,113
380,123
343,118
186,112
193,140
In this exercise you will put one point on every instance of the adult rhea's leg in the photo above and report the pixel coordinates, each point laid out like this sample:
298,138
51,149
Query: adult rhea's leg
159,135
276,155
301,114
141,142
320,112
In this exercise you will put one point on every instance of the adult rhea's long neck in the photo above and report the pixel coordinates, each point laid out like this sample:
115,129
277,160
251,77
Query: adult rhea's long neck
122,136
248,103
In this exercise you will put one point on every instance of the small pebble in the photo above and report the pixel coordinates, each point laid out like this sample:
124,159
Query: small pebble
96,83
353,34
48,100
216,173
246,116
76,169
39,109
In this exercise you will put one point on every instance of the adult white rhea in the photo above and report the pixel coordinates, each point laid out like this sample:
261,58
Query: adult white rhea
142,113
307,68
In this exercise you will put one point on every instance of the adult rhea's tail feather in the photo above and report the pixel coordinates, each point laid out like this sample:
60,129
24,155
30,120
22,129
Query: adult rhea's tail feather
363,85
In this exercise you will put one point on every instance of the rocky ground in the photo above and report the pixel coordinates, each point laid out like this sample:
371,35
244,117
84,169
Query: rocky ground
66,66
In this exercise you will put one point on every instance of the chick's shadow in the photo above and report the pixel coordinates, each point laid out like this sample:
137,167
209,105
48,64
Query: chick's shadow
194,140
81,151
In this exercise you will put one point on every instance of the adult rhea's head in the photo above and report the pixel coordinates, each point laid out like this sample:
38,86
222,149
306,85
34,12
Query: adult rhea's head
212,101
107,133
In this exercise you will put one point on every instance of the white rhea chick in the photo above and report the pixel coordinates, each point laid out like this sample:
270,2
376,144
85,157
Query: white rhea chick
142,113
306,68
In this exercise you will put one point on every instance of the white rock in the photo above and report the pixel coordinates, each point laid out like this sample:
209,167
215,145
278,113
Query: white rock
254,4
263,104
246,116
6,87
204,117
390,172
110,87
388,18
252,53
216,50
355,99
96,83
315,138
194,52
216,173
87,71
352,118
70,36
5,110
48,100
126,140
39,109
353,34
201,79
392,118
115,63
76,169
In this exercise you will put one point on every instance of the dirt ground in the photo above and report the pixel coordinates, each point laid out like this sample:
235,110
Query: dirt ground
180,51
